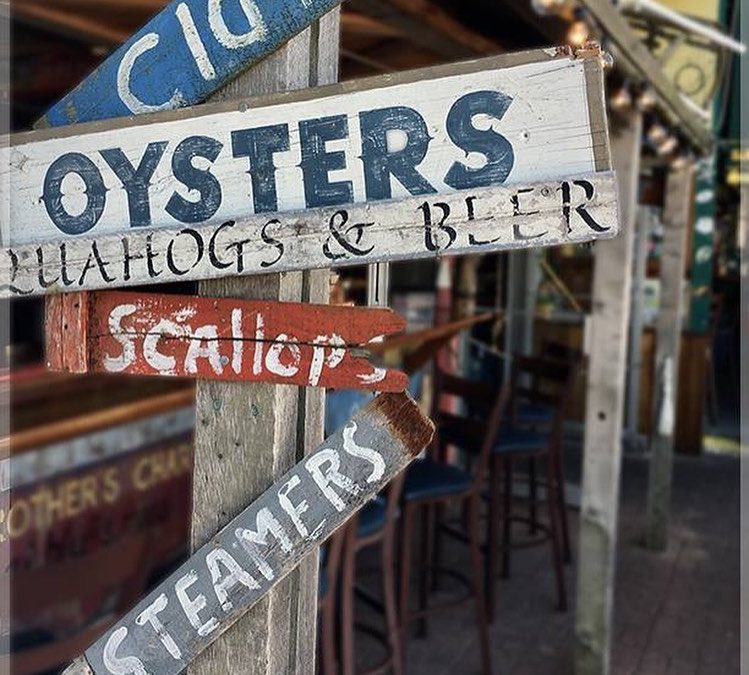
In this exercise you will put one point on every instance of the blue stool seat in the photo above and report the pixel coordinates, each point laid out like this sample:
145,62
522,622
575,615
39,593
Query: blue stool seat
529,412
517,440
426,479
372,517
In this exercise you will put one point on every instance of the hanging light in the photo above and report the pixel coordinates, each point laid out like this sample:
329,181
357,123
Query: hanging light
646,99
657,134
547,7
578,33
621,98
668,146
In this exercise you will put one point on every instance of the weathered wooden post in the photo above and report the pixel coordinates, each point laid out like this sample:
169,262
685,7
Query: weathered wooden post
677,209
246,436
607,338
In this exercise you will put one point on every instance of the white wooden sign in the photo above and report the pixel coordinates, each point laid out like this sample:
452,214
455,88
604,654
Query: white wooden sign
200,600
507,120
575,210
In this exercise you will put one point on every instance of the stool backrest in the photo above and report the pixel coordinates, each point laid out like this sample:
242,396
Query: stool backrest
474,429
542,380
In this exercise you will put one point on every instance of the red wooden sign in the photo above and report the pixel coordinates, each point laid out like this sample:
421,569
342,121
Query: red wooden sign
220,339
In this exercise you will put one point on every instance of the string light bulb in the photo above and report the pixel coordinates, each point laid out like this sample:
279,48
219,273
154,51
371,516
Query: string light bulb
578,33
621,99
646,100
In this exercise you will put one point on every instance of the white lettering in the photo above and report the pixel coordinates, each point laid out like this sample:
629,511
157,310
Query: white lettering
124,73
273,356
194,42
148,615
191,607
318,355
195,350
264,523
116,364
128,665
368,454
257,31
161,362
294,511
236,574
330,476
237,341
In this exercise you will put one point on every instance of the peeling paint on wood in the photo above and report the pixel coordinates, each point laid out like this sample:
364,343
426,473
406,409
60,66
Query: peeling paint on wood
183,54
575,210
220,339
240,564
433,132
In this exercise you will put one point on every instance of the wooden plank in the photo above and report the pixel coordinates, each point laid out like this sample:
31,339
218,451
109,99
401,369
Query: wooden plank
183,54
677,211
550,213
604,416
633,55
207,594
284,423
224,339
506,120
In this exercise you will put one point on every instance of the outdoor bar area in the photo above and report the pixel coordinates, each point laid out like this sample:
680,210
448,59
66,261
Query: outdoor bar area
374,336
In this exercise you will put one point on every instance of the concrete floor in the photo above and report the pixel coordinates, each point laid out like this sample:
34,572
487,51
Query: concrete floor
676,613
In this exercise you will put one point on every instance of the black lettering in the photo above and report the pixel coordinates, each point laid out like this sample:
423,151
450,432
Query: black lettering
151,255
518,212
127,257
272,242
170,252
215,261
429,239
96,197
580,210
344,238
94,257
40,269
380,164
259,146
14,268
136,181
64,265
317,162
498,151
202,180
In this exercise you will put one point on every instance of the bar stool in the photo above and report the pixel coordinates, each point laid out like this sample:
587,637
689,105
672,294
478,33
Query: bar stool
515,442
430,483
330,558
375,525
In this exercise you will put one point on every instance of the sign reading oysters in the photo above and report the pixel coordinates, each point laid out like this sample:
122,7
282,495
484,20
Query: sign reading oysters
460,127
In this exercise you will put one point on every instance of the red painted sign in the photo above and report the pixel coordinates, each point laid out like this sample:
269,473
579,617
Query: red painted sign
219,339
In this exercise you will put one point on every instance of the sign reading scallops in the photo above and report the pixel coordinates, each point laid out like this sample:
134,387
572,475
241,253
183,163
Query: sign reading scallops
516,119
195,604
219,339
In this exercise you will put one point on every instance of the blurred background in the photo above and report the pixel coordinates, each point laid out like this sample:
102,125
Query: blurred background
97,471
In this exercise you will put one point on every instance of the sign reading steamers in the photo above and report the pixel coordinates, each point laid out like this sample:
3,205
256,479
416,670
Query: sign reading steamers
182,55
242,562
513,119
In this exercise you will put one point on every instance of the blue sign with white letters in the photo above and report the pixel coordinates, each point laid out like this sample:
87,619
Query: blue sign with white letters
183,55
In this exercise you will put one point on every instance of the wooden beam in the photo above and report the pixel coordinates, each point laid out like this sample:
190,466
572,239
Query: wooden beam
607,337
247,435
428,25
677,210
67,24
362,24
635,58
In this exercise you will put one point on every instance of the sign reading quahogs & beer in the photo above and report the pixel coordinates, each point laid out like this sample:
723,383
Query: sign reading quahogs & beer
164,632
500,153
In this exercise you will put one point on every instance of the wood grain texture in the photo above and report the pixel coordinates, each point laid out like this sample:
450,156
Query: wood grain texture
431,132
604,415
225,339
677,211
207,594
282,422
183,54
533,215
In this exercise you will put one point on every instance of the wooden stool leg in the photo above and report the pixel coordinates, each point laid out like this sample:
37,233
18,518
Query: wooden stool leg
390,602
478,585
327,648
532,496
556,548
562,498
507,517
492,526
348,579
405,575
437,555
425,562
